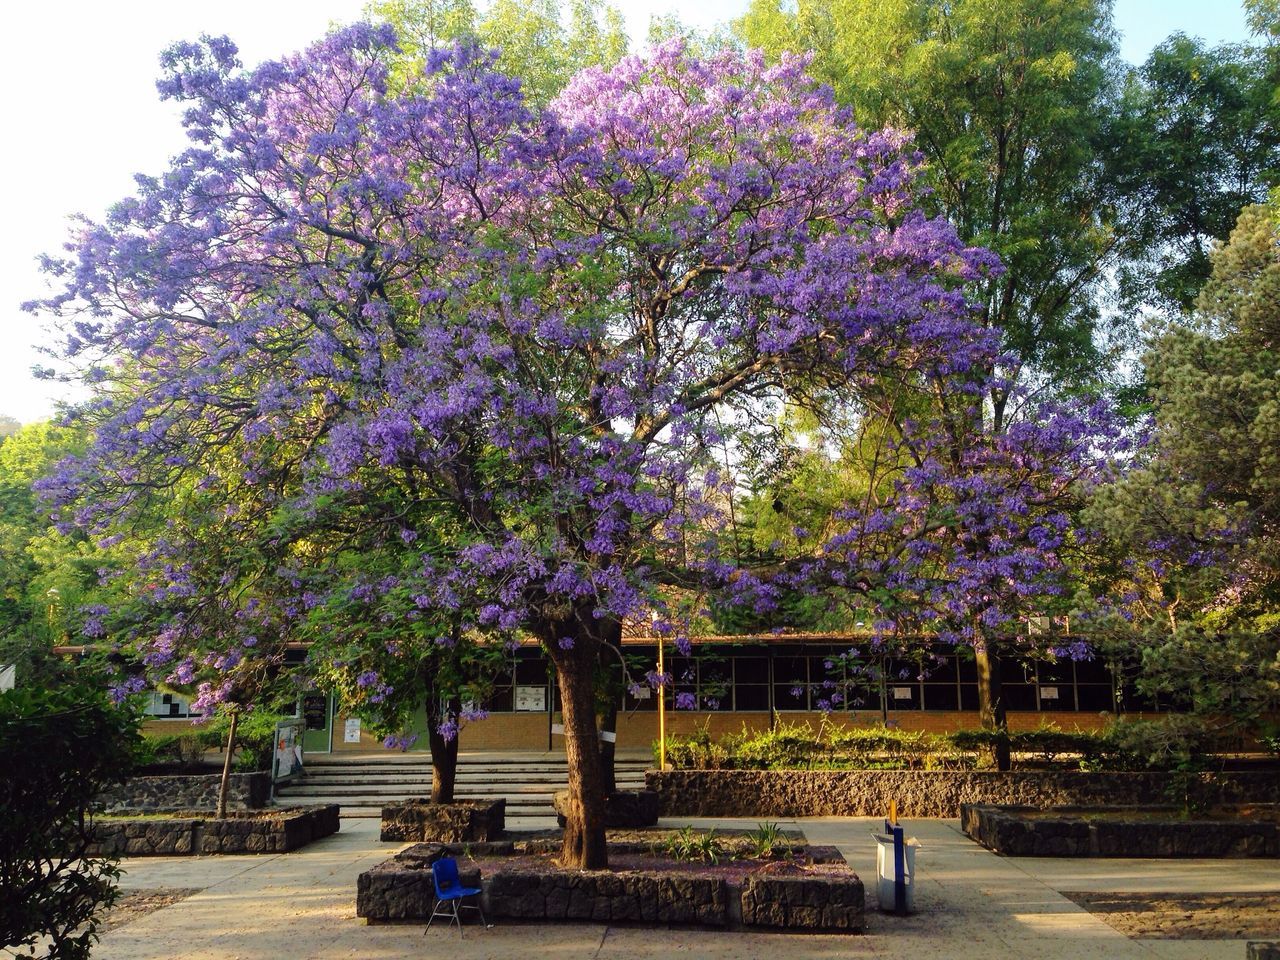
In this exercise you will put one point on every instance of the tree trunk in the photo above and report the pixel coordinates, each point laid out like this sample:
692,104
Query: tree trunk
444,754
584,839
226,765
991,710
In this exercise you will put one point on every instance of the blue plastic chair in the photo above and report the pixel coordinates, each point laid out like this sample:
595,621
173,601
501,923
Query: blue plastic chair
450,893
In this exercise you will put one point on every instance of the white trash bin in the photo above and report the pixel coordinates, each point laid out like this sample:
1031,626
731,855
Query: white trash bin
886,874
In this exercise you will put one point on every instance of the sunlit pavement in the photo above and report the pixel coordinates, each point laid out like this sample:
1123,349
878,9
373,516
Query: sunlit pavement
971,904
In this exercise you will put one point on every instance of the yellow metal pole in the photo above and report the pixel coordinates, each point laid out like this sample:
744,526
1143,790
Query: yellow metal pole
662,712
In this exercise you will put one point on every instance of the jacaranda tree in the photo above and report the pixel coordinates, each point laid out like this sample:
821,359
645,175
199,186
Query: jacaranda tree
540,328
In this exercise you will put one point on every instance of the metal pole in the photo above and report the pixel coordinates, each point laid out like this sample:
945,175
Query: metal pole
662,712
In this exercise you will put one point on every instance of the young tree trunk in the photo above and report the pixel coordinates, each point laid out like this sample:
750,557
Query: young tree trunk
226,765
991,710
444,754
584,838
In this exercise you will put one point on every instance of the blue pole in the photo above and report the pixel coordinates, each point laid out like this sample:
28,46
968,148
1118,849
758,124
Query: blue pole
899,872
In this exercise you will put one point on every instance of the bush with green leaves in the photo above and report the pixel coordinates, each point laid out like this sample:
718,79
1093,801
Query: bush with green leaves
255,737
766,840
691,844
1170,743
59,748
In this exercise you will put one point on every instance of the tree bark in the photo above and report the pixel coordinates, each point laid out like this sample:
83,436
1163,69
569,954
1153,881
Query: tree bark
991,711
444,754
226,765
584,845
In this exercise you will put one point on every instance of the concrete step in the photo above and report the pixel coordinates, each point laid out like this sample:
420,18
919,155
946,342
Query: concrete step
497,785
362,785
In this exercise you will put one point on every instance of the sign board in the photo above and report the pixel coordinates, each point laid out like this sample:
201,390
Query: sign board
1048,693
351,731
558,729
642,693
902,693
288,752
531,699
315,710
8,676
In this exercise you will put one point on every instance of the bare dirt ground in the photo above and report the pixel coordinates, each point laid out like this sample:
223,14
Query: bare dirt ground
138,903
1186,916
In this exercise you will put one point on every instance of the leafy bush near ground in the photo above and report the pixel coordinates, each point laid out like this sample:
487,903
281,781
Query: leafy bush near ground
59,748
1172,743
255,738
255,741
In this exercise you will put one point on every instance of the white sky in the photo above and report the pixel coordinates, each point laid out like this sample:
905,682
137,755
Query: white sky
82,115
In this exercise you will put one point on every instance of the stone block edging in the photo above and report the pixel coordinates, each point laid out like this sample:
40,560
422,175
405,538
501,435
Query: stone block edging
1008,831
245,791
266,832
462,821
400,889
930,793
623,809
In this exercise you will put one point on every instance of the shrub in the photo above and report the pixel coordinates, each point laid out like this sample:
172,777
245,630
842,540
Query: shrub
255,738
1172,743
688,844
59,749
765,840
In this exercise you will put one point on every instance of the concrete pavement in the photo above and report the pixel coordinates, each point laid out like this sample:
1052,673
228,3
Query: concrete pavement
972,905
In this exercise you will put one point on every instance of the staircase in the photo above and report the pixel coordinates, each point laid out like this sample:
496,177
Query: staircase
362,783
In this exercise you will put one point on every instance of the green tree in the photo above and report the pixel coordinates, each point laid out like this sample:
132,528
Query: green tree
1200,142
59,749
1194,529
45,576
1008,101
539,42
1012,104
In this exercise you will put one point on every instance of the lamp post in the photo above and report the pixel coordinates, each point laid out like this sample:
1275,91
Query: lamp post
662,711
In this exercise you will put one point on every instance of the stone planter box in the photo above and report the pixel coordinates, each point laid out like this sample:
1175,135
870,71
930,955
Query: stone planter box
269,831
623,810
927,793
463,821
400,889
800,903
245,791
1017,831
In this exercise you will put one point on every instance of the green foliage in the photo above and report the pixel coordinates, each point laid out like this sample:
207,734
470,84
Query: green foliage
255,737
1171,743
540,42
1190,531
181,749
689,844
1201,142
58,749
1009,101
44,576
1168,744
766,840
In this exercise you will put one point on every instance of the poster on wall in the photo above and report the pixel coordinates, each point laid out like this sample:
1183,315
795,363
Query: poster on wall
288,751
351,731
531,699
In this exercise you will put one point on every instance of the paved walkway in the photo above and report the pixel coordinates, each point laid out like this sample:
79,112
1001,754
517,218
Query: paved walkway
972,904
